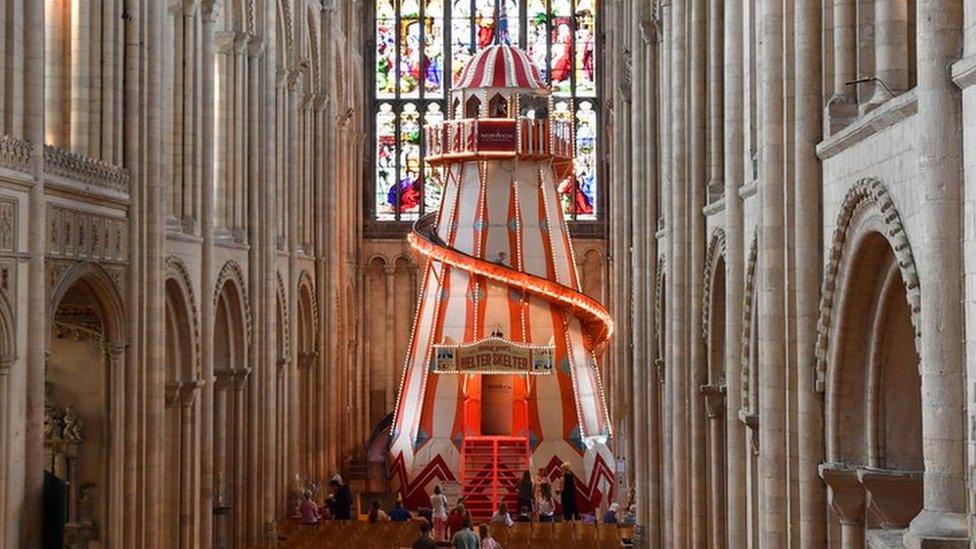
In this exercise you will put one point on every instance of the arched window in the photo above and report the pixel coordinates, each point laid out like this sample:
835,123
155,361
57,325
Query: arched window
421,46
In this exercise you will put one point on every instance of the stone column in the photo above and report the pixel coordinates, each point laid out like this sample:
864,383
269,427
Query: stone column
651,502
5,412
732,105
842,105
806,191
698,186
241,513
115,357
393,363
939,146
205,211
847,498
81,56
186,395
890,50
36,314
772,318
714,397
664,361
294,186
678,369
56,23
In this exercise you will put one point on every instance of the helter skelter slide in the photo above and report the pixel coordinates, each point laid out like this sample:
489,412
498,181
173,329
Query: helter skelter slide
501,373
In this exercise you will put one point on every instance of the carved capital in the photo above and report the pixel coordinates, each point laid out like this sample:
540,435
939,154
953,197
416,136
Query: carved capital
714,400
751,422
659,366
240,378
115,349
6,364
892,498
845,492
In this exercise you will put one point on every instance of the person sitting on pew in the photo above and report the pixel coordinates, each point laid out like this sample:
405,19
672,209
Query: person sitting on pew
611,515
377,515
399,513
525,514
487,542
308,510
501,516
465,538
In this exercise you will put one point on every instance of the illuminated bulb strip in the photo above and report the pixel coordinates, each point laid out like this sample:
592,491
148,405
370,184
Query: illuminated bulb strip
595,317
572,377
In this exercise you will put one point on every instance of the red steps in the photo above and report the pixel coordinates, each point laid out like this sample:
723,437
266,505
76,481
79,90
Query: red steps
490,471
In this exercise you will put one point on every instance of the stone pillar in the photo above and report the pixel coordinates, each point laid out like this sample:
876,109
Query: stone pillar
186,395
55,73
847,498
678,369
714,397
241,512
890,50
115,357
808,131
698,185
36,314
294,186
772,317
733,149
939,146
664,361
5,411
204,210
842,105
81,55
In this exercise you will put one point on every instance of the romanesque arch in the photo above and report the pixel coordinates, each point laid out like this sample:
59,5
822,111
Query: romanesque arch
85,380
183,380
232,339
867,366
8,334
309,379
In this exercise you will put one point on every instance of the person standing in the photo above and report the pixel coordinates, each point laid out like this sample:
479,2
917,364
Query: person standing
438,513
567,498
424,541
545,504
525,490
465,538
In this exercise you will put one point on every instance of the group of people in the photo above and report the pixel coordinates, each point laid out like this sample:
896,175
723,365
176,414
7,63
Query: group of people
338,506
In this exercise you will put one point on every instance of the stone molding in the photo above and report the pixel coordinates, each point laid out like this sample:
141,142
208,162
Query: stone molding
8,225
15,153
305,281
85,235
867,193
232,272
176,270
716,251
73,166
858,129
714,400
748,298
286,324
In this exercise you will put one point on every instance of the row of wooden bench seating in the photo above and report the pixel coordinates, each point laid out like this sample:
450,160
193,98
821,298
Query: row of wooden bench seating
393,535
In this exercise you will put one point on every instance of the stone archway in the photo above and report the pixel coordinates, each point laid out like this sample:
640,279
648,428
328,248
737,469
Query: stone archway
868,359
749,412
713,391
85,400
181,421
231,342
309,380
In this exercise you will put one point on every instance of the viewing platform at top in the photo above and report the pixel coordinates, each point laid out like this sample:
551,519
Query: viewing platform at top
499,138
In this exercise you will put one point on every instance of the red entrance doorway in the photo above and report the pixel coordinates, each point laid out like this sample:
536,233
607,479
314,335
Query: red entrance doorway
491,467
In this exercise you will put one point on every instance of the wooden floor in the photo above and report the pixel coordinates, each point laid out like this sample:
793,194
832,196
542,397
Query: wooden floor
394,535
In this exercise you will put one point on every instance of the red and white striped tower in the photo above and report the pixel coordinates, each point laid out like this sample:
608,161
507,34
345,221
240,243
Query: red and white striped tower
502,354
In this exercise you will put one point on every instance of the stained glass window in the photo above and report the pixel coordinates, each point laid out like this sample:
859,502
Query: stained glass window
421,48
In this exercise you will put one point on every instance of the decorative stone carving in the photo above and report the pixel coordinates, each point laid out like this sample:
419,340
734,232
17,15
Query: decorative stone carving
177,270
748,298
85,235
15,153
305,281
893,497
845,493
866,193
283,301
8,225
716,250
231,271
76,167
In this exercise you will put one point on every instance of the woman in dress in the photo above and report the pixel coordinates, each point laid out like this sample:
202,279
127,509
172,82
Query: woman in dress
438,506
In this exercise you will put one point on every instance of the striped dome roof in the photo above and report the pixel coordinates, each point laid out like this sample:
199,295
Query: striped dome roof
501,66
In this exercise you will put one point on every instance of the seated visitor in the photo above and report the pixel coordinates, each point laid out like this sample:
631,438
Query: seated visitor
611,515
525,514
487,542
465,538
630,516
455,521
308,510
377,515
501,516
425,541
399,513
438,512
545,504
